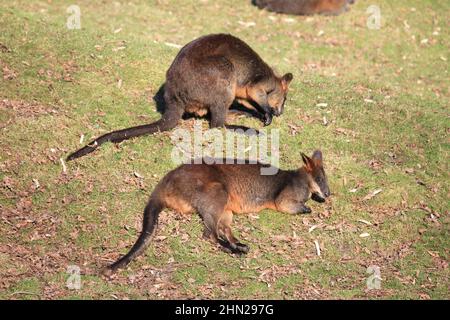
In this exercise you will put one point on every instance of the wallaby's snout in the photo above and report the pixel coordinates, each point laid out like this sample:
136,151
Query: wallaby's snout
279,111
276,92
317,197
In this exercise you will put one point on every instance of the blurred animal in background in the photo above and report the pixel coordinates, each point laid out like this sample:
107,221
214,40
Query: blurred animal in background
305,7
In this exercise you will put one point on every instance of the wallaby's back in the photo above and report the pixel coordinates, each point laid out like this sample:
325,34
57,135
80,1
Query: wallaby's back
236,56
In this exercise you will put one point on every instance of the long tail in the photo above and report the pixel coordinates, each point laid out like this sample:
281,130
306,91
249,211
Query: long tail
163,124
151,214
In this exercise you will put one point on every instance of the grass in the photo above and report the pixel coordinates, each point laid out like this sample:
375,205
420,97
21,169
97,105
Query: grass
387,110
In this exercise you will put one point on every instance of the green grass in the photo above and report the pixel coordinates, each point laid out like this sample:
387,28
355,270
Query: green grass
388,124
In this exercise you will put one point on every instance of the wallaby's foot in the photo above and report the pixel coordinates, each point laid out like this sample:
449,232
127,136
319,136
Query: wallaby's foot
236,248
247,131
267,119
242,248
305,209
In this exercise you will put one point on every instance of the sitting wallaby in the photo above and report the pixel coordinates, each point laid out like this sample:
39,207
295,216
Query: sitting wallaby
215,191
208,75
305,7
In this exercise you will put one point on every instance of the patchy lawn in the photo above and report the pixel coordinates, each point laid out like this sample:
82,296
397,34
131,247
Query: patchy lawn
375,101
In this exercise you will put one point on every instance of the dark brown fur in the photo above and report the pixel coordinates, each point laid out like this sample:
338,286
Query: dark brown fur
207,76
217,191
305,7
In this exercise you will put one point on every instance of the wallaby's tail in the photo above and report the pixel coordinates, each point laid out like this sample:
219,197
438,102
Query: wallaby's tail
164,124
150,222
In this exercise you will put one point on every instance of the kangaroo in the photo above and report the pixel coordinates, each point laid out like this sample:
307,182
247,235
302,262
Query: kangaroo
207,76
216,191
305,7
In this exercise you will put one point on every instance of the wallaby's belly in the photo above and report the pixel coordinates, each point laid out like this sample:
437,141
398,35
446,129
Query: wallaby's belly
239,203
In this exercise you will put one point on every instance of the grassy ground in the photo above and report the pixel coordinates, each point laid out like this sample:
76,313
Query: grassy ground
387,117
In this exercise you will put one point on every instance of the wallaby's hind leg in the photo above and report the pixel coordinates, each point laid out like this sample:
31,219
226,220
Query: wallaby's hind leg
216,77
211,207
224,233
209,204
218,115
209,232
209,235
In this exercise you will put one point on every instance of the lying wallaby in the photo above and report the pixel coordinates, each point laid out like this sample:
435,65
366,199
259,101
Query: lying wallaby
207,75
215,191
305,7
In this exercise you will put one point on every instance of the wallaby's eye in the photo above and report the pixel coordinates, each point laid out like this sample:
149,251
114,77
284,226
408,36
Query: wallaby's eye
319,179
270,91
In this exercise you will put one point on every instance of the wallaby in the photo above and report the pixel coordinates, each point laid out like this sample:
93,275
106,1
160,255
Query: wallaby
215,191
207,76
305,7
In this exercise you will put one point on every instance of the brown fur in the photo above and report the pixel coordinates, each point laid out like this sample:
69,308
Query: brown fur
217,191
305,7
207,76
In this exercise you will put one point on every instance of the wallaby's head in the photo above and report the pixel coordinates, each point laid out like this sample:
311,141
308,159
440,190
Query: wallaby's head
318,183
277,92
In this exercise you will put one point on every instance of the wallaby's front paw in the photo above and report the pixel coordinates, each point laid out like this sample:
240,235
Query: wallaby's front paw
305,209
267,119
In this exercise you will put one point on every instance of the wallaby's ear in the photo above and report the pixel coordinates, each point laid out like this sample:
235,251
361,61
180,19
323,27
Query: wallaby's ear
317,158
286,80
309,165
